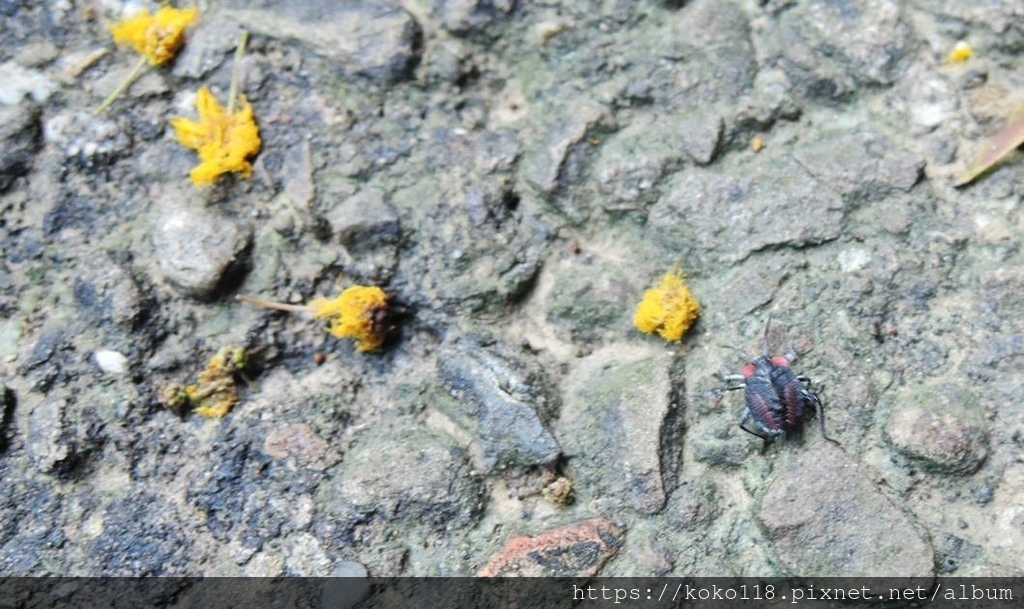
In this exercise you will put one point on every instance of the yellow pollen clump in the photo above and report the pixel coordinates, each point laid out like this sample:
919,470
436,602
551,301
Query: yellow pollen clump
158,36
223,139
669,308
358,312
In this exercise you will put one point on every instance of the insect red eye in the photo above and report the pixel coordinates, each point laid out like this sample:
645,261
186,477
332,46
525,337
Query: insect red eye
780,360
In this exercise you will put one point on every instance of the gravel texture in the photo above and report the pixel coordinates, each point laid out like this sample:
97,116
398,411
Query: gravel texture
514,175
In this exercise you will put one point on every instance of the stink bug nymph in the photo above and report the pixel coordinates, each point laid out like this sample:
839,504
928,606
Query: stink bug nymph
777,400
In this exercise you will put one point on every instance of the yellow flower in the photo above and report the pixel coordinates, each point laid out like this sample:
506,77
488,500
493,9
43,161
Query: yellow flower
669,308
223,139
157,36
359,313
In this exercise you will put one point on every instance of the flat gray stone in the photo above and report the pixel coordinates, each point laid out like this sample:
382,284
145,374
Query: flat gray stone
544,163
827,48
377,40
631,163
199,250
826,518
770,203
861,165
404,474
617,427
497,401
941,426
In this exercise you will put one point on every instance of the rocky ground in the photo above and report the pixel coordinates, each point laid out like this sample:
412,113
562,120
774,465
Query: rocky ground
514,175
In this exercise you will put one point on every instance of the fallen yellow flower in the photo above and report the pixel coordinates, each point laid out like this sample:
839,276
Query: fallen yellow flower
223,139
359,312
158,36
670,308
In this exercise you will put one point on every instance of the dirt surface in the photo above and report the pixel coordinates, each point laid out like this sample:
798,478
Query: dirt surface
514,175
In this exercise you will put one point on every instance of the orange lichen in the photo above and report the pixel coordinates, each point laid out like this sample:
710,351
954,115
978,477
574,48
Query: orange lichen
223,139
669,308
157,36
358,312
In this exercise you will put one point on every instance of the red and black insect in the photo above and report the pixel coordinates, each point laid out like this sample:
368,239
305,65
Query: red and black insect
778,400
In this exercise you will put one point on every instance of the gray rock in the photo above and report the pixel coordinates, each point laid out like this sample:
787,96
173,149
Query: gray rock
46,440
694,505
364,221
346,587
546,162
828,48
368,229
87,138
861,165
298,445
107,292
210,43
19,141
719,51
774,202
19,82
586,300
305,556
941,426
826,518
377,40
403,475
497,401
631,163
200,251
472,18
619,427
700,137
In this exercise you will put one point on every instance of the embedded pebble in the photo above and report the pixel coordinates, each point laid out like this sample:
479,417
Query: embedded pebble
826,518
403,474
377,40
631,163
828,48
82,135
579,549
17,83
498,403
199,250
110,362
298,445
940,426
617,426
772,202
861,165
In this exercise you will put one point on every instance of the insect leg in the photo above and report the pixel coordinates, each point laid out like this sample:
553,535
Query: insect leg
820,407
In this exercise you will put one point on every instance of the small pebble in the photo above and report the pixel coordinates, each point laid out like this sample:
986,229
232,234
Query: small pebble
110,362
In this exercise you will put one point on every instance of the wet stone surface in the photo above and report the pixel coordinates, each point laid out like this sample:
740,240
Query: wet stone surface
513,176
940,427
200,251
816,512
619,428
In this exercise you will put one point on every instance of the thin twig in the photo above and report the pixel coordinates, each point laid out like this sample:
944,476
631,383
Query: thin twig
123,86
236,71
